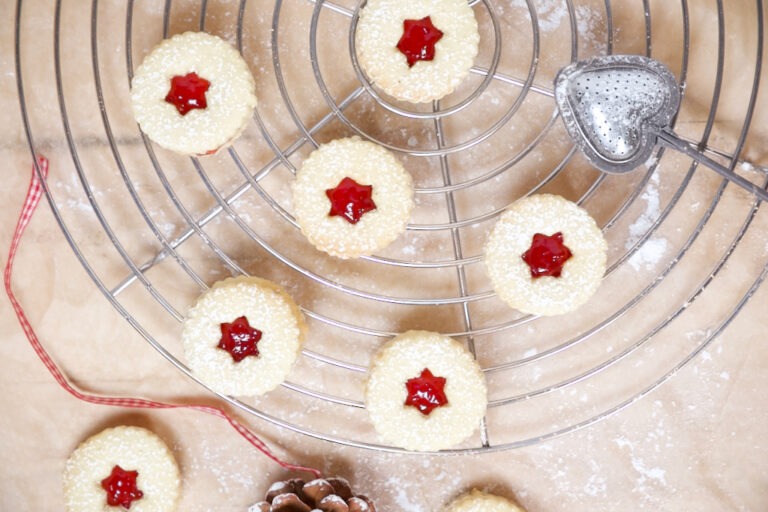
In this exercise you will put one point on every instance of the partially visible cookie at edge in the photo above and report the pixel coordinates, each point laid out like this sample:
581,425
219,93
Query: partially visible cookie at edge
479,501
125,466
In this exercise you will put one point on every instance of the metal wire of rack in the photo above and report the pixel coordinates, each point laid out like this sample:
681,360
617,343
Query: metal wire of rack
495,139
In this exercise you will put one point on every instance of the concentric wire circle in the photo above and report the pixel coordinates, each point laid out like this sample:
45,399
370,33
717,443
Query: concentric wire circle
153,230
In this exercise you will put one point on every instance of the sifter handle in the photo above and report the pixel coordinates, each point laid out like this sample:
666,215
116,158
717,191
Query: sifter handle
671,140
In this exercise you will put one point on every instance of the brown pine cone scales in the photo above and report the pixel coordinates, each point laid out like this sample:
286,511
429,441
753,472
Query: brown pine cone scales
320,495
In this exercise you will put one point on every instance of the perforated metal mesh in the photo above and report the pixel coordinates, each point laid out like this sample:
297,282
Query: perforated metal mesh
153,229
613,106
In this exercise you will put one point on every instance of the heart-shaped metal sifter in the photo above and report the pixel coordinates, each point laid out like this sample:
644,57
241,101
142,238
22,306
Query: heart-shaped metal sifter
616,108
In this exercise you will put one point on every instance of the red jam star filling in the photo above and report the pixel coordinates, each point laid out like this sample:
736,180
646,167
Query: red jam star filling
426,392
188,92
239,339
350,200
547,255
418,40
121,488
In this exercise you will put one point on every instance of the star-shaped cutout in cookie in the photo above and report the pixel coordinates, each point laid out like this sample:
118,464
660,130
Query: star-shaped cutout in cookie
547,255
426,392
350,200
418,40
121,488
239,339
188,92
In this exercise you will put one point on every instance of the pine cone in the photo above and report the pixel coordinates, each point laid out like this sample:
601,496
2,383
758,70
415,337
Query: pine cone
321,495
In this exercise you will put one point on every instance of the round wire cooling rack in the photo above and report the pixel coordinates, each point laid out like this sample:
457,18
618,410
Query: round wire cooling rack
153,229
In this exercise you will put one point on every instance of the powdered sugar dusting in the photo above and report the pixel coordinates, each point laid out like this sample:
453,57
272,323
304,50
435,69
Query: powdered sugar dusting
646,476
588,22
649,254
550,13
596,485
653,249
404,502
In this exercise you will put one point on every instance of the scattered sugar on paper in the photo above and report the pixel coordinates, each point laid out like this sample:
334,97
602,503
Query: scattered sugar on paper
74,196
747,166
596,484
230,472
649,254
404,492
652,250
647,477
651,213
553,14
405,504
550,13
699,335
588,20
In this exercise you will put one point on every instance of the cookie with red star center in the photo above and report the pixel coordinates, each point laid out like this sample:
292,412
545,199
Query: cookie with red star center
425,392
352,197
128,468
478,501
418,50
193,94
545,255
243,336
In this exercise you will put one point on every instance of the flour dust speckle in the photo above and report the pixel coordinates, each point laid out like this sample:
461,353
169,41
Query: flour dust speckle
648,478
588,22
653,249
550,13
648,474
649,254
596,485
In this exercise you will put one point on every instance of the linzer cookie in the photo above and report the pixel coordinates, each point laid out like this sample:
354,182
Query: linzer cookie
478,501
193,94
352,197
545,255
243,336
419,50
425,392
121,468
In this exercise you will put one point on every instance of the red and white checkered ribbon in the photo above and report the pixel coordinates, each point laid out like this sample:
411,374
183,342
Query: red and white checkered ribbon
32,199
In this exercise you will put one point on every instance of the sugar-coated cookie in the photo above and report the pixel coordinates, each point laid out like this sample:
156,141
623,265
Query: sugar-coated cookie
417,50
193,94
352,197
478,501
545,255
121,468
425,392
243,336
